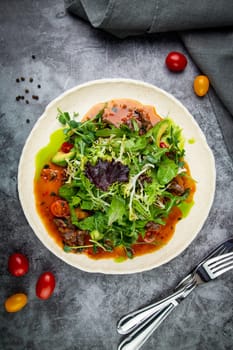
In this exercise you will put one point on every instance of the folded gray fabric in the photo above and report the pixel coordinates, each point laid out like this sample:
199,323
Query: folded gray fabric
211,49
123,18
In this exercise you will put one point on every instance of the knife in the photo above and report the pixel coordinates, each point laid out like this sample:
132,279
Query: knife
150,317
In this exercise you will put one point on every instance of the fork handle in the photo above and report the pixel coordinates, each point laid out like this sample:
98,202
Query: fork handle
132,320
138,337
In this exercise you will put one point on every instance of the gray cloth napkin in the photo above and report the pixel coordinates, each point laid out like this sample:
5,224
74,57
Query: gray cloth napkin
205,26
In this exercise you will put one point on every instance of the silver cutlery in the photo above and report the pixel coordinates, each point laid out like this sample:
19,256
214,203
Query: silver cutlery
143,322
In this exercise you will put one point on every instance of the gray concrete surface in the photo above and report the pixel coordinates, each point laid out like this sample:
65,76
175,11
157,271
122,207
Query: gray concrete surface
84,309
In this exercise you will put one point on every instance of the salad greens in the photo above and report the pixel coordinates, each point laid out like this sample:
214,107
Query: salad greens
121,177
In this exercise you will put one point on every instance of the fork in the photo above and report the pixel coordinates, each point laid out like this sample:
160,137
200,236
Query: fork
132,320
204,272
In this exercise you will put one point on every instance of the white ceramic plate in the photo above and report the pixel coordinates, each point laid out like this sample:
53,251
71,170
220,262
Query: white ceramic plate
198,156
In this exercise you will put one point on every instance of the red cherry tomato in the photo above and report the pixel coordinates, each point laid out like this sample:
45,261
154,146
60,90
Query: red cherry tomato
66,147
45,285
201,85
162,145
176,61
18,264
60,208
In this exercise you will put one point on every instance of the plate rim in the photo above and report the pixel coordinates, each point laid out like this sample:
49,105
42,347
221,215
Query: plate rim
106,81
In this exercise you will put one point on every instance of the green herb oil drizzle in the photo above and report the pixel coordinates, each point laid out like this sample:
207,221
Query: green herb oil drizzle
44,154
185,208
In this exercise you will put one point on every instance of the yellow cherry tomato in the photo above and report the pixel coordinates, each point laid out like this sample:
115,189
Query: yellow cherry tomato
16,302
201,85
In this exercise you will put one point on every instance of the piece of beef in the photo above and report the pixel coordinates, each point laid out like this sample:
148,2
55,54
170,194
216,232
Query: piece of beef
141,118
176,188
70,234
152,226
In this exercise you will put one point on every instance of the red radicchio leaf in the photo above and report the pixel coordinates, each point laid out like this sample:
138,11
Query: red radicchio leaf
105,173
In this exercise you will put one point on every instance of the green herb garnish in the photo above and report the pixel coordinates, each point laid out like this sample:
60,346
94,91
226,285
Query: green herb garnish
122,178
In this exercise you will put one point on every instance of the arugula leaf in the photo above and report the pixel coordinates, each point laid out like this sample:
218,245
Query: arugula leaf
107,132
75,201
87,223
98,222
167,170
63,117
153,156
136,144
116,210
67,191
86,205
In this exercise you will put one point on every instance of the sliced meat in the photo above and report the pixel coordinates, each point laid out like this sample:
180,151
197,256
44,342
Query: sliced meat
152,226
70,234
123,110
145,178
176,187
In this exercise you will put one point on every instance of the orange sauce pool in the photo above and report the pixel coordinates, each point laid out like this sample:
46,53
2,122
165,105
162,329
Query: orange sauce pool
51,178
46,192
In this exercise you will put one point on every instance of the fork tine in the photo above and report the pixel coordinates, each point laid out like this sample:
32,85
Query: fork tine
222,265
221,262
218,258
220,272
218,265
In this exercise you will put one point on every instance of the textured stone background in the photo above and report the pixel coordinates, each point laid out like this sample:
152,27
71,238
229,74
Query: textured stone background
84,309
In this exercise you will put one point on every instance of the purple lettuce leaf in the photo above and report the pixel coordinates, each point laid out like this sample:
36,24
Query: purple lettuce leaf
105,173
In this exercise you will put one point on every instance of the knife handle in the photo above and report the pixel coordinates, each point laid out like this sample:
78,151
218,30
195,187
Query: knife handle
138,337
143,330
132,320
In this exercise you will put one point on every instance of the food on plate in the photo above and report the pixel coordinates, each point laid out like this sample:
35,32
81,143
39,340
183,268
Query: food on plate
18,264
176,61
115,184
45,285
201,85
16,302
